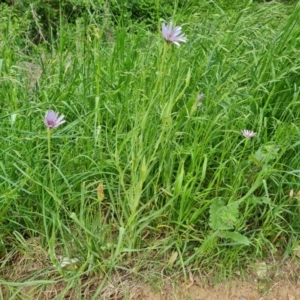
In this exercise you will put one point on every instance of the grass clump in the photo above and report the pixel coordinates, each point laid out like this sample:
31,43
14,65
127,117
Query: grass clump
143,167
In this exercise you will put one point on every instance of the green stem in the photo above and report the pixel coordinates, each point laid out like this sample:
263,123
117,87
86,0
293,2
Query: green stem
49,157
245,147
159,86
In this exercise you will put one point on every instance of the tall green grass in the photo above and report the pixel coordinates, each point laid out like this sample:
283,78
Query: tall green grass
178,176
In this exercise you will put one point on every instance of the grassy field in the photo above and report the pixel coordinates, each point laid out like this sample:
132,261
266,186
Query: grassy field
144,177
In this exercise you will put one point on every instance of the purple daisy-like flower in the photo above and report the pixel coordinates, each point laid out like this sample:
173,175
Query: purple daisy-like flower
200,97
53,120
248,133
173,35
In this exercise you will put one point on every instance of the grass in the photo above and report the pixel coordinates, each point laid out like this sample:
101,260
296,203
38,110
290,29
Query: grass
142,177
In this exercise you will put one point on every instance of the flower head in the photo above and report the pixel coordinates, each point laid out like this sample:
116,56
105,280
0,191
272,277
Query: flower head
52,119
173,35
200,97
248,133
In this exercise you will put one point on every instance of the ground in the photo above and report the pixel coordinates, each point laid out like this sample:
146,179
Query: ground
235,290
26,273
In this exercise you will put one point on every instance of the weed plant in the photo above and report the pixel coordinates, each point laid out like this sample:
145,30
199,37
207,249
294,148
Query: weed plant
143,168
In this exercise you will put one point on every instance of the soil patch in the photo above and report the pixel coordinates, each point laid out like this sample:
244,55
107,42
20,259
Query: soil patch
30,275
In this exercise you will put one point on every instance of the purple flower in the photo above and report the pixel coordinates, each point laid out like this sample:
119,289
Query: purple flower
172,35
52,119
248,133
200,97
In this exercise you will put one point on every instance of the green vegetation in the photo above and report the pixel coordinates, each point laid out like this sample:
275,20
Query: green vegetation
142,174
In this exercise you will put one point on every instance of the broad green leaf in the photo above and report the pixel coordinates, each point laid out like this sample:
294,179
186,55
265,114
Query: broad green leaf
223,217
237,237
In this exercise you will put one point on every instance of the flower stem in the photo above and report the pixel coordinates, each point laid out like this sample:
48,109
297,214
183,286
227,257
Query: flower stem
49,157
245,147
